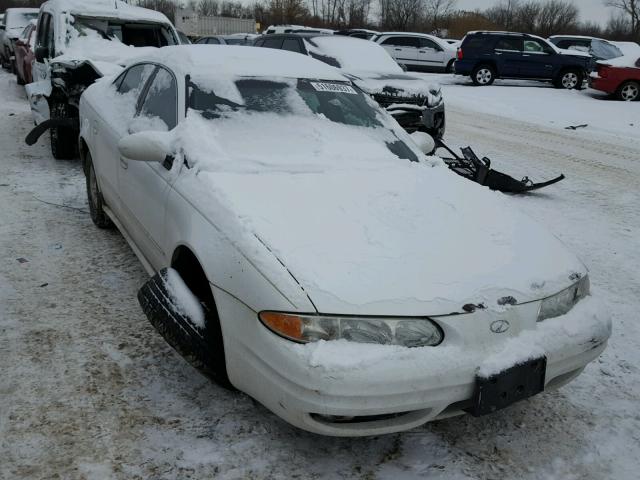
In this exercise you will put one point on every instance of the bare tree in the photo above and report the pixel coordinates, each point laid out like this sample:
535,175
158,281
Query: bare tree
557,16
631,9
400,14
437,10
208,8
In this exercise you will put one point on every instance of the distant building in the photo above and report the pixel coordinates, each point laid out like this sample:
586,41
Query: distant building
188,21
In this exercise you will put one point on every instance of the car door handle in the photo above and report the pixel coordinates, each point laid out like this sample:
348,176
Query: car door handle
123,163
398,49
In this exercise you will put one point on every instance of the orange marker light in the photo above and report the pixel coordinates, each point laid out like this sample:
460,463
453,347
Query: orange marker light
289,326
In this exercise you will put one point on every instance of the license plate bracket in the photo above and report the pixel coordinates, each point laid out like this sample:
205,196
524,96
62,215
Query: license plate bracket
516,383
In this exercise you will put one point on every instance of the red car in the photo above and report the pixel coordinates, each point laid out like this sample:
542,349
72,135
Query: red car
619,77
24,54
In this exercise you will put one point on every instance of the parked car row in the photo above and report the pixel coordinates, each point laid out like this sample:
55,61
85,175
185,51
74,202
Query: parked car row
15,21
302,245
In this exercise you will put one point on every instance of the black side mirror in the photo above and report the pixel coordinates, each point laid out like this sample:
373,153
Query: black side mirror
41,54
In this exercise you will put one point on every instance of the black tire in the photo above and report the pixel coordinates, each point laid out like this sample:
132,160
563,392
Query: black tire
449,68
94,197
63,139
19,79
204,349
483,75
629,91
569,80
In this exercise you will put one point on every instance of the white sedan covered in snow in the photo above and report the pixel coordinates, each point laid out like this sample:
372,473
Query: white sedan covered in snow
308,253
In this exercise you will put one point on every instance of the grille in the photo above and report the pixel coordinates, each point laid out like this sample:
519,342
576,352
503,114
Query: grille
384,100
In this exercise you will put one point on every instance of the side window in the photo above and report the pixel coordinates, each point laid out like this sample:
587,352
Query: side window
160,105
134,78
291,44
201,41
273,43
426,43
509,43
533,46
403,42
476,43
213,41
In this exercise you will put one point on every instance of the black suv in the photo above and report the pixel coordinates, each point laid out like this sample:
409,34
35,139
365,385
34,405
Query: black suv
485,56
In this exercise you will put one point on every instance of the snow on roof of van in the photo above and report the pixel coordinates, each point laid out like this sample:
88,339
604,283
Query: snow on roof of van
106,8
240,61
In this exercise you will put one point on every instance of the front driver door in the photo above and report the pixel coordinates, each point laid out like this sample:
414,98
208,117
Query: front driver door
537,59
144,186
430,55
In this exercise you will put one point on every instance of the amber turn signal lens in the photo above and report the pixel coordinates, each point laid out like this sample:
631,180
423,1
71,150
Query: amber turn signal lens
287,325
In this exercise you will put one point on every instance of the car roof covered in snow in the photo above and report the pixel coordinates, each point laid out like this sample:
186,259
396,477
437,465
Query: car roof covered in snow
240,61
106,9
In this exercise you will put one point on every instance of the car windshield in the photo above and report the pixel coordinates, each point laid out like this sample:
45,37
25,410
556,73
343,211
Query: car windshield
337,101
304,106
605,50
136,34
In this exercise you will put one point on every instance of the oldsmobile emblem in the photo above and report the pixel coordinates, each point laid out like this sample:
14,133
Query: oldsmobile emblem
499,326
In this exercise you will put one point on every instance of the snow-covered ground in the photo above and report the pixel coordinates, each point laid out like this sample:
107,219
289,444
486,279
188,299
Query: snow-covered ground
88,389
542,104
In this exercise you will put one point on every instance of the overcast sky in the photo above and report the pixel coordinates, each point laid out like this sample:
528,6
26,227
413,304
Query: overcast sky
589,9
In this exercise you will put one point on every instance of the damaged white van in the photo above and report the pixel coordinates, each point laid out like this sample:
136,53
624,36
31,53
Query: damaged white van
78,42
306,251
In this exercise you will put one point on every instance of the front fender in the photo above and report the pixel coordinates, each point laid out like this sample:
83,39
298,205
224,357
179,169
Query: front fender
234,259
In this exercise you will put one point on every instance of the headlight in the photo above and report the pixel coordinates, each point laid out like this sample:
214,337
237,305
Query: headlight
408,332
435,96
560,303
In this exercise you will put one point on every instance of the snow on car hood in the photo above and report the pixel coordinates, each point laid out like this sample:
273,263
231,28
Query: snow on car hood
626,61
399,84
363,231
404,240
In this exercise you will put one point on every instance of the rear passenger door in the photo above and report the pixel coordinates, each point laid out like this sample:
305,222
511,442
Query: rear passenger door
403,49
508,55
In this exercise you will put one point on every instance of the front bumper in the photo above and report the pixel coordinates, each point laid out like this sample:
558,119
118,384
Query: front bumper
346,389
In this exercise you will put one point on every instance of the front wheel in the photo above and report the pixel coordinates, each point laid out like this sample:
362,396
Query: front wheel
483,75
63,139
629,91
94,197
570,80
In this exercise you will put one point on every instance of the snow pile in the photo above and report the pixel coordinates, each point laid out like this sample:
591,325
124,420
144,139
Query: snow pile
16,19
587,321
353,54
626,61
182,297
114,9
235,61
105,55
316,144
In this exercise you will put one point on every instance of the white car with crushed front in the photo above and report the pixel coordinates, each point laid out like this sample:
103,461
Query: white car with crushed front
305,251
